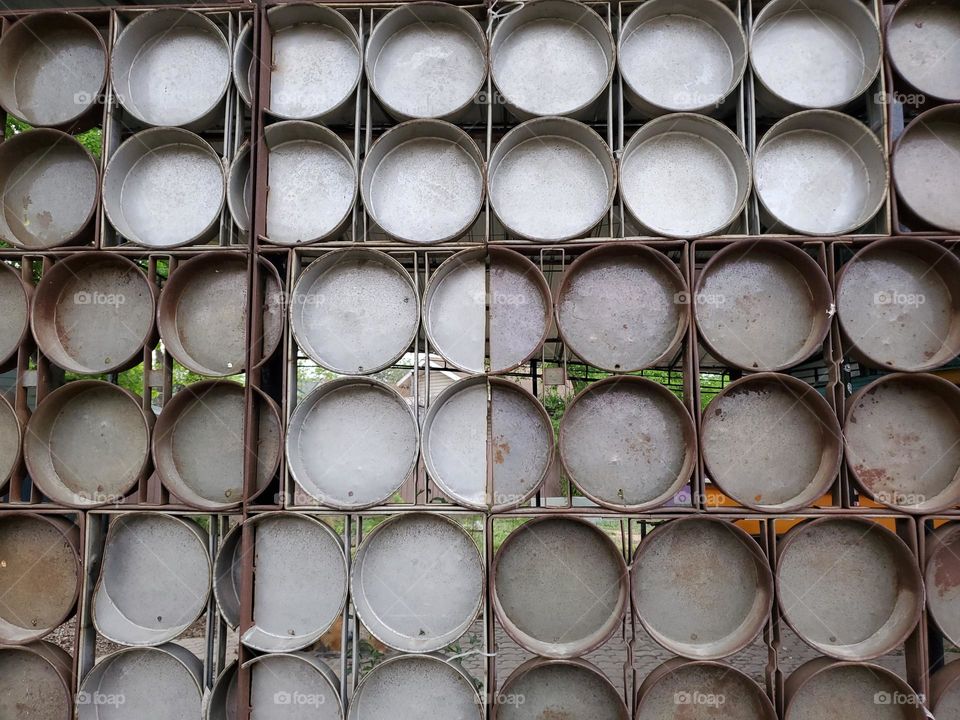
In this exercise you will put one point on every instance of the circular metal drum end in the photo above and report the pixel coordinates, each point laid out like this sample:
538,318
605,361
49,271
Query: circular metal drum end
11,440
155,578
898,302
822,54
942,581
164,188
711,609
172,68
352,442
455,435
921,41
88,443
416,687
820,172
431,613
628,443
293,686
94,313
677,56
49,187
849,588
240,187
160,683
15,319
244,67
355,311
945,691
762,305
427,60
202,314
560,586
771,442
551,57
41,575
563,689
36,682
684,176
551,179
221,702
316,62
926,179
422,182
55,66
901,433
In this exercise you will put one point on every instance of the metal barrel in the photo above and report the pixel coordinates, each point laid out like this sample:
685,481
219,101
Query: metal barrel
713,608
42,576
432,613
849,588
198,443
240,187
215,343
293,686
94,313
49,186
352,442
551,179
628,443
38,678
552,57
88,443
164,188
171,67
771,442
682,56
245,66
427,60
454,443
921,45
926,180
560,586
762,306
900,433
15,297
942,581
55,68
945,691
819,172
11,441
684,175
422,182
221,703
823,54
316,63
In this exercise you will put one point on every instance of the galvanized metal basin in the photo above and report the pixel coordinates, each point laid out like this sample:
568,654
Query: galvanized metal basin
942,580
36,682
570,689
560,586
945,691
11,437
15,319
293,686
921,41
240,187
221,703
244,67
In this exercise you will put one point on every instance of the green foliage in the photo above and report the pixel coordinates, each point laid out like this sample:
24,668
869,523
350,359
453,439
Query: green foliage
92,139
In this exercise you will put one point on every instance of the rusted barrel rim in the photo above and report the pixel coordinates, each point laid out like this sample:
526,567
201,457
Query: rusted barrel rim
937,544
689,438
619,250
27,304
327,676
57,660
944,681
240,65
6,407
888,29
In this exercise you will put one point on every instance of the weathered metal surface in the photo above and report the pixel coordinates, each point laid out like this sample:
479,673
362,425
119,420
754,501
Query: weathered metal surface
423,181
702,587
560,587
762,306
551,57
924,174
921,41
901,434
171,67
15,318
293,686
55,67
240,187
36,682
316,62
416,687
11,439
822,54
455,436
427,60
87,443
820,172
159,683
417,582
198,443
850,588
520,308
542,689
942,580
352,442
163,188
155,578
40,574
355,311
551,179
898,303
771,442
202,314
684,175
455,310
245,66
628,443
945,691
222,701
94,313
49,186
